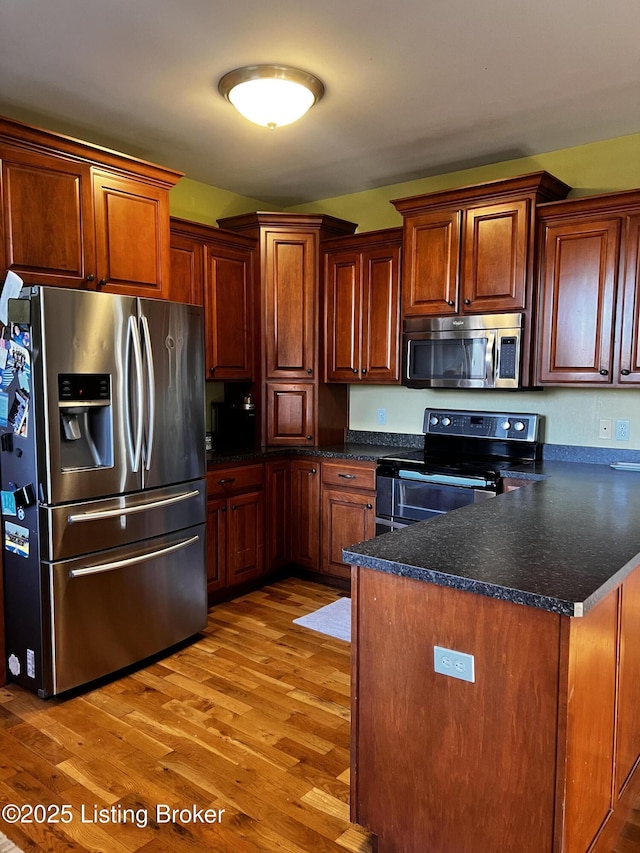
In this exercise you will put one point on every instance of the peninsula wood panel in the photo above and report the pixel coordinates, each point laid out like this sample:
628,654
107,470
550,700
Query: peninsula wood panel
628,732
445,765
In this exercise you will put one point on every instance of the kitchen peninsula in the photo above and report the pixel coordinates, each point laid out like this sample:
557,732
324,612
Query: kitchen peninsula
537,754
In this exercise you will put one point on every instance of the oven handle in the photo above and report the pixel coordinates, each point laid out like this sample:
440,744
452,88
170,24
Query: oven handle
443,479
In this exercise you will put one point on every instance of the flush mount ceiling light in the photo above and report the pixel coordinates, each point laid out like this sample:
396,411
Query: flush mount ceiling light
271,95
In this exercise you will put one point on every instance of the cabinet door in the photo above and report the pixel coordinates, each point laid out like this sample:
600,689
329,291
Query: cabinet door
278,513
380,359
47,220
347,518
432,249
305,513
227,299
290,413
343,315
290,262
186,270
245,537
495,257
132,236
578,287
628,370
216,544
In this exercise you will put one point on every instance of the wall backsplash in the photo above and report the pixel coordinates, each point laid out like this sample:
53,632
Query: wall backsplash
572,415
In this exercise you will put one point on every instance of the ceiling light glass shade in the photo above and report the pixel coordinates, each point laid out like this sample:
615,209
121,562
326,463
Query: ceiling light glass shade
271,95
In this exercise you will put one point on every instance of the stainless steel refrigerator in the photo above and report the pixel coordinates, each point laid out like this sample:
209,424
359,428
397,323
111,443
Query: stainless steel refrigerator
102,466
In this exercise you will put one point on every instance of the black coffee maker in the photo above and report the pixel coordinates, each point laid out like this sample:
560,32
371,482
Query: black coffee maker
233,425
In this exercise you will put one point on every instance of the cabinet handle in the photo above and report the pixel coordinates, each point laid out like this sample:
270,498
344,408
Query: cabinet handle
467,302
226,480
604,372
625,372
348,476
102,282
91,277
309,370
369,506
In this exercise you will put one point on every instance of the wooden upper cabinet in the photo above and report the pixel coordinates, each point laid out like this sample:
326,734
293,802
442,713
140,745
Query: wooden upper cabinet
132,236
578,290
290,276
214,267
290,413
362,308
470,250
589,268
77,215
494,257
47,218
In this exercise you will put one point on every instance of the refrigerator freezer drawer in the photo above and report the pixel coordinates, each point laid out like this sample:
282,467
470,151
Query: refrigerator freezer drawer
112,609
70,530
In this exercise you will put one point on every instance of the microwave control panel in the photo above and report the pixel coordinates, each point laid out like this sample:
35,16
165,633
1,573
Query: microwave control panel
513,426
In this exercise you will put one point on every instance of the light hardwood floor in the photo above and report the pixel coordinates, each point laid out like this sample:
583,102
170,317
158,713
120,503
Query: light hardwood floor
253,718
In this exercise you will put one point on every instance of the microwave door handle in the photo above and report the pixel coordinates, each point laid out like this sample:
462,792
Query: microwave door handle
491,357
135,444
151,391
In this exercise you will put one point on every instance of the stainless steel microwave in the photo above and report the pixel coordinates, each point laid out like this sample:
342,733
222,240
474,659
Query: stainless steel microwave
474,351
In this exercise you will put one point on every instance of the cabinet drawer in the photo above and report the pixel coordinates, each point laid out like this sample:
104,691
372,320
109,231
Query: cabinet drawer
352,475
223,481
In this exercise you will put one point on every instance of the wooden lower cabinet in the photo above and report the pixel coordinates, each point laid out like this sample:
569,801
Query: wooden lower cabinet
348,512
305,512
235,525
278,513
537,754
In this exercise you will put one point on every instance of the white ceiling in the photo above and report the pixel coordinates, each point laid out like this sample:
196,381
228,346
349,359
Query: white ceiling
413,87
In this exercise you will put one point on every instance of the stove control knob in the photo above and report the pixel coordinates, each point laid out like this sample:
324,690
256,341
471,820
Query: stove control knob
505,425
433,420
518,426
446,421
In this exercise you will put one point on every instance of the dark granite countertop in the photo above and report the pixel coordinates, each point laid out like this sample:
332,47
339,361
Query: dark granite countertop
351,450
559,544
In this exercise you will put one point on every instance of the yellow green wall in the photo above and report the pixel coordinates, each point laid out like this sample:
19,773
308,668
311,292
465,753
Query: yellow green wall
571,415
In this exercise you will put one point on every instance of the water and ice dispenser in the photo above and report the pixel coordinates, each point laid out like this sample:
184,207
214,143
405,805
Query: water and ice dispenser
86,422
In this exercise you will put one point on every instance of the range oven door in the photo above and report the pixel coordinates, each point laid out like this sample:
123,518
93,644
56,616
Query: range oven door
403,500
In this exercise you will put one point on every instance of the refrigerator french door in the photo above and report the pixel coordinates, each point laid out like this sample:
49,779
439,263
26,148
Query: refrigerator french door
102,464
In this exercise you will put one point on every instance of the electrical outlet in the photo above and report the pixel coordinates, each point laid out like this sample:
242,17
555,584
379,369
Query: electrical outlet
622,430
382,416
455,664
605,428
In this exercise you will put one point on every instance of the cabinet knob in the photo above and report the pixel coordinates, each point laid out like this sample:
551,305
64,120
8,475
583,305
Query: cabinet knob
233,506
467,302
364,370
226,480
625,372
91,277
604,372
102,282
224,509
309,437
354,369
450,302
309,370
369,506
212,370
314,470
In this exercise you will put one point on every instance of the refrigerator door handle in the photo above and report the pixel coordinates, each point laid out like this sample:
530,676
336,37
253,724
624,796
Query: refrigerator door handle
133,343
114,513
131,561
151,391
